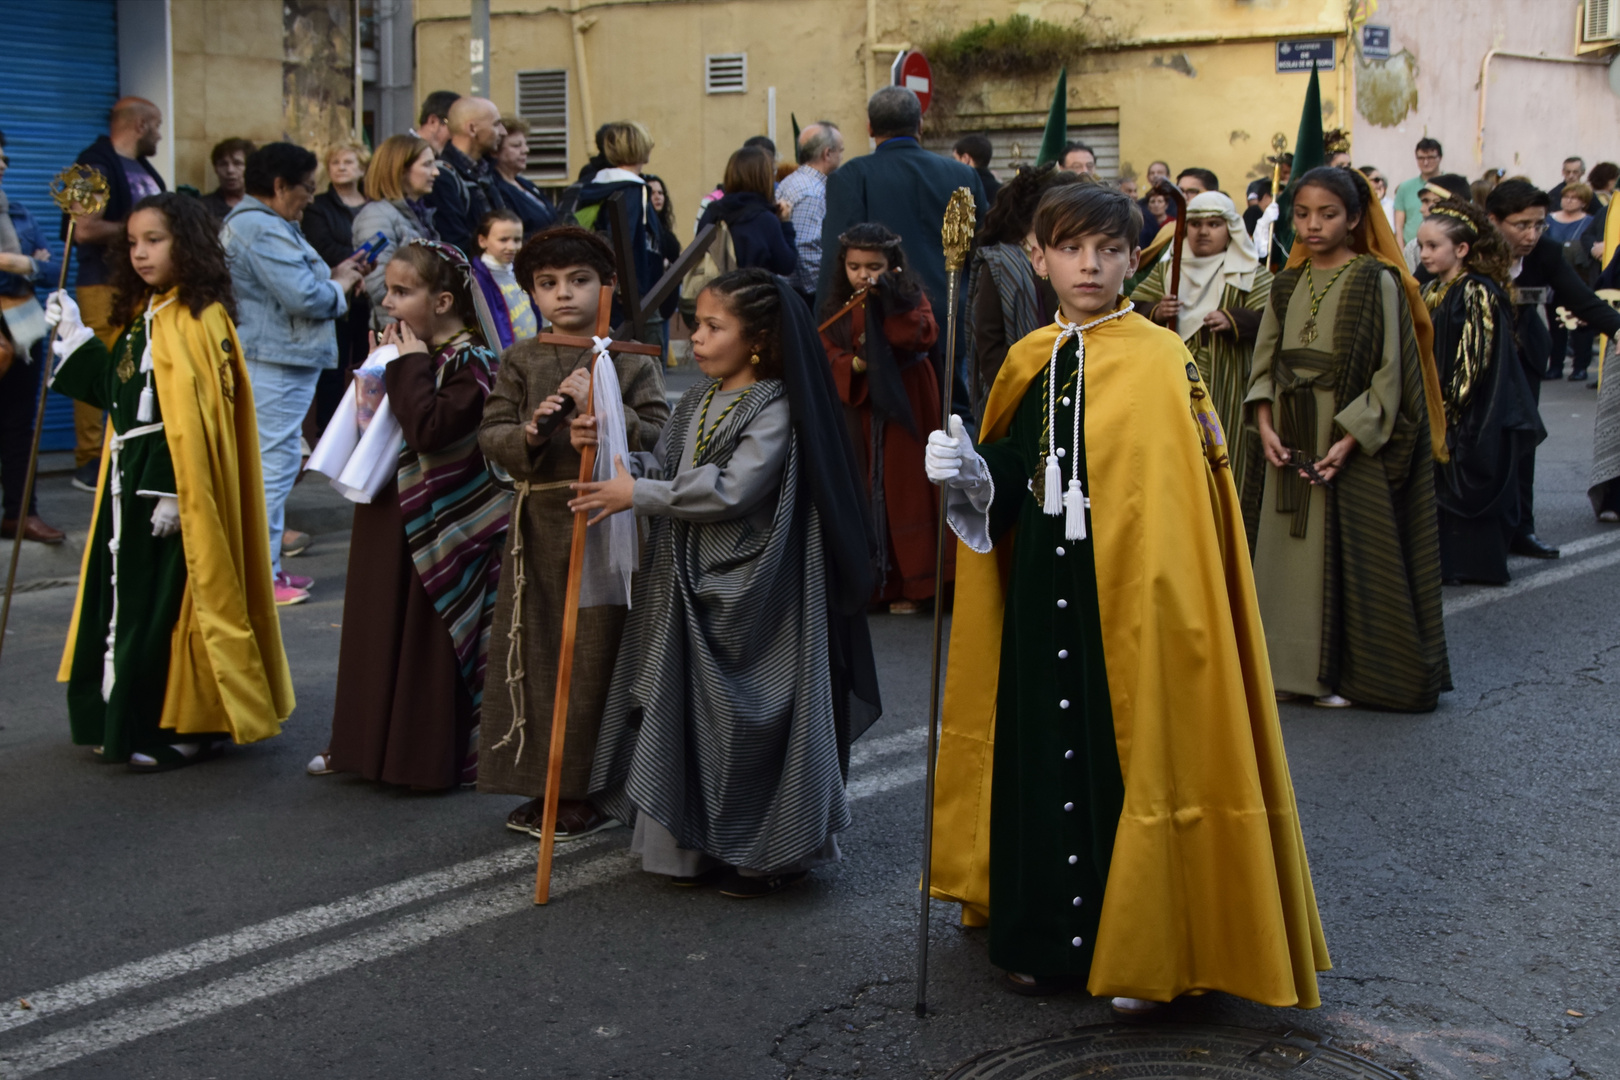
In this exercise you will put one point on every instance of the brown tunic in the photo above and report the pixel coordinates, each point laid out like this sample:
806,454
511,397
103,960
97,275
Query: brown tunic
402,714
529,373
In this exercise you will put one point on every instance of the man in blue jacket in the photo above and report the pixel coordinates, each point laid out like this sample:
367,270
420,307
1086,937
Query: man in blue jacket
286,301
905,187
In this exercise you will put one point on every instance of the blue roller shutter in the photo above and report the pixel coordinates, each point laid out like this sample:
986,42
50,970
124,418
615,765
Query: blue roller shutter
58,81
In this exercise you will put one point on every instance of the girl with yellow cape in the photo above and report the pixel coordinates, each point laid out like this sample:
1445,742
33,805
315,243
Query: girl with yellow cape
175,645
1113,796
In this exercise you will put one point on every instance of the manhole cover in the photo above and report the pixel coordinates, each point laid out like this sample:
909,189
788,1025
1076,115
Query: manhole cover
1172,1052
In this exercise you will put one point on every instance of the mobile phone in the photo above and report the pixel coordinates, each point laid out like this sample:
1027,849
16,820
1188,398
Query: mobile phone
372,248
548,424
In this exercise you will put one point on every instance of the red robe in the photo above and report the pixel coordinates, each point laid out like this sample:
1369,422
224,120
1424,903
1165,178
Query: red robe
910,506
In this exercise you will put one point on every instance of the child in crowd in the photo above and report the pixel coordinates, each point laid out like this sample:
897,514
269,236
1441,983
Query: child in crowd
564,268
746,666
500,235
426,551
175,647
1108,682
879,356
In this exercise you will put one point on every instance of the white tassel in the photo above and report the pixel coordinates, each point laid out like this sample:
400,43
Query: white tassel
143,411
1074,525
1052,504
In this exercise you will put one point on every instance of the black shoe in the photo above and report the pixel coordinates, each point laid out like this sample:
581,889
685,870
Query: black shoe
1577,376
1530,544
86,475
1552,376
739,887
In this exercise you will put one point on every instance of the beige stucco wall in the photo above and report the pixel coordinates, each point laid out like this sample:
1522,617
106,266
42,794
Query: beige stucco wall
1537,112
1200,89
241,70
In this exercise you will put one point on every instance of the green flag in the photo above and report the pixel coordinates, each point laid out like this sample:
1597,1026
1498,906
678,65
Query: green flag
1056,136
1308,154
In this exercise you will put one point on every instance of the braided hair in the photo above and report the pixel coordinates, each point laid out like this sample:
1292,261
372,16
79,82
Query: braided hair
1465,223
1012,214
901,290
752,296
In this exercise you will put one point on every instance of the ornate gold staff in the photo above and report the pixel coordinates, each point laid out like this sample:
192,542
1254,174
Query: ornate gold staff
80,191
957,234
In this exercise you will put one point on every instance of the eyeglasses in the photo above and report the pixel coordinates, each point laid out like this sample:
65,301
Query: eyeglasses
1533,225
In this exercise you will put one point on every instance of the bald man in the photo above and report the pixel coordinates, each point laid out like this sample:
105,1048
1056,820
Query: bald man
134,129
465,189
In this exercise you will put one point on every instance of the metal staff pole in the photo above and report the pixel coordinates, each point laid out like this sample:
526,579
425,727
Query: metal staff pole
79,190
957,234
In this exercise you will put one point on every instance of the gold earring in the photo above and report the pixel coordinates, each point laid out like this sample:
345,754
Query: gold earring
754,359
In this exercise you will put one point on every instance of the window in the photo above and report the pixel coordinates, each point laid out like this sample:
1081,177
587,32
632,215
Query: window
725,73
542,100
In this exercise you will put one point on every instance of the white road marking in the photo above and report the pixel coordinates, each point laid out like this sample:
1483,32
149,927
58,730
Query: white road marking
396,936
1539,580
866,750
277,931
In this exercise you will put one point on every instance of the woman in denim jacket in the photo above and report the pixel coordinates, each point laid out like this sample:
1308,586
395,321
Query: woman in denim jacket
286,299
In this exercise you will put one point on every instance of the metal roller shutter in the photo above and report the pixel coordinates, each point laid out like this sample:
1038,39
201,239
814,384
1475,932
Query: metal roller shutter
57,84
1013,147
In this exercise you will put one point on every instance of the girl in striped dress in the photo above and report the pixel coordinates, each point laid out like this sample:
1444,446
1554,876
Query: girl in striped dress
425,554
746,667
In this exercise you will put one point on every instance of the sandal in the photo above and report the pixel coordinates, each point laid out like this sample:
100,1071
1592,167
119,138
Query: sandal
574,820
904,607
169,758
320,764
1332,701
739,887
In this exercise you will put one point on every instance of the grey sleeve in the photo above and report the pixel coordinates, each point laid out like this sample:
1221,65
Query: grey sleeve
720,493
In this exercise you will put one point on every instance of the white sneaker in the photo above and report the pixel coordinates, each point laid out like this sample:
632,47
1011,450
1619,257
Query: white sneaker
1333,701
1136,1006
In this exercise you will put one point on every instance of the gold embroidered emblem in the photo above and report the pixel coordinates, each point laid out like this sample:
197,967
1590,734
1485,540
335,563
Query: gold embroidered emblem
126,368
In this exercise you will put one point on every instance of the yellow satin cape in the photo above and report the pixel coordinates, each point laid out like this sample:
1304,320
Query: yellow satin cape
1373,236
1209,888
227,668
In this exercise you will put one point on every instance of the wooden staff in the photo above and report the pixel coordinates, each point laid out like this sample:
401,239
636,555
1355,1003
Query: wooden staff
80,191
854,301
1174,195
570,626
957,237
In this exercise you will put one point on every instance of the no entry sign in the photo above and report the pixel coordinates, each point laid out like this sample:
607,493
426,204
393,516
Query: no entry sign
911,71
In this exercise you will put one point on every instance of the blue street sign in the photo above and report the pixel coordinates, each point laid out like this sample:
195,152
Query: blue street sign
1375,42
1297,55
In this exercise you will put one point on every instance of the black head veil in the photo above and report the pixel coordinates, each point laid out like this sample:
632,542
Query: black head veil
835,486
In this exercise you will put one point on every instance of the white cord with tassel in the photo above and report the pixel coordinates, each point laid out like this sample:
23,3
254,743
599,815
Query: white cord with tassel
1074,504
144,410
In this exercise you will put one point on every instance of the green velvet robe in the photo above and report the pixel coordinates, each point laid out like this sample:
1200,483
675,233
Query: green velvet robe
1056,789
151,575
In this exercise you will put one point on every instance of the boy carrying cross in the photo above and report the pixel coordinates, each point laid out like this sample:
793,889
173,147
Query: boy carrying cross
563,269
1113,796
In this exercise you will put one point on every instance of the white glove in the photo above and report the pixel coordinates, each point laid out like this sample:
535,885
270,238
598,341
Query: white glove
166,518
951,459
71,333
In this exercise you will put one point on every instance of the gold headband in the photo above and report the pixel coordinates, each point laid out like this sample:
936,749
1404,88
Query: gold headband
1459,215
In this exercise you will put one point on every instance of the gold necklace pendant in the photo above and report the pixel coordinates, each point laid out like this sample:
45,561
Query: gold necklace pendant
1307,333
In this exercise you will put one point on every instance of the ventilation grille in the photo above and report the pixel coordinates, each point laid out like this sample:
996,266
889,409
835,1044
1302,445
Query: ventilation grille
1602,21
725,73
542,100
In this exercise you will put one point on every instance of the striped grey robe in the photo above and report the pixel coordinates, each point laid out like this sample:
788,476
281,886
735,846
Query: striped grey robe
719,723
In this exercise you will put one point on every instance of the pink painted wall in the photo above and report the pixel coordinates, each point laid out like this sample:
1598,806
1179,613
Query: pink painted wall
1537,113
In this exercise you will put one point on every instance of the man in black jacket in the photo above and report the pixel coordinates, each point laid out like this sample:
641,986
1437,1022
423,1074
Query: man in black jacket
1541,279
135,126
465,188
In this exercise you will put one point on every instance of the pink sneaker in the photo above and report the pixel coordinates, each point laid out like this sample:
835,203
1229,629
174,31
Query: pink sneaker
293,581
286,595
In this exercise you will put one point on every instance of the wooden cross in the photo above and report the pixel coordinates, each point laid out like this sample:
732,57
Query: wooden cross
643,310
576,569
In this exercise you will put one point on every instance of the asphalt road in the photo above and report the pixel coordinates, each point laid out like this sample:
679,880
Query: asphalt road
241,919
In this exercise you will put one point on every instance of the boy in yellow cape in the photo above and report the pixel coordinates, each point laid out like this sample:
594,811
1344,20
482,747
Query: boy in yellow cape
1113,797
175,645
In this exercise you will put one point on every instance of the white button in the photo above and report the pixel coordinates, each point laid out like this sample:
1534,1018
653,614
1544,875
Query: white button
1063,654
1062,452
1077,901
1065,401
1077,943
1060,551
1073,859
1062,604
1068,755
1068,806
1064,704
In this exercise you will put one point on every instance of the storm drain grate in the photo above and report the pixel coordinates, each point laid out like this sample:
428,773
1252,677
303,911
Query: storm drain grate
1172,1052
